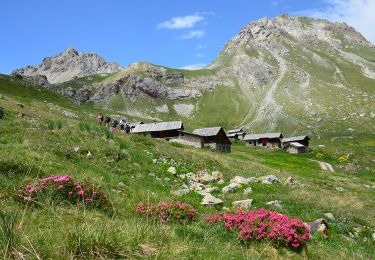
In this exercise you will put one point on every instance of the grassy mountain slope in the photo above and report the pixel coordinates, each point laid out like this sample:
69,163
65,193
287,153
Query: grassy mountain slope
295,74
41,144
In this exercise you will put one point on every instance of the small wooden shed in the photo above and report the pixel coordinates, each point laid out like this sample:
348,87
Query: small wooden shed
237,134
268,140
214,137
159,129
303,139
296,144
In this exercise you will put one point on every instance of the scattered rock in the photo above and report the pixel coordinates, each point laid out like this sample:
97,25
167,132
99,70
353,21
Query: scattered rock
373,236
339,189
248,191
151,174
181,192
290,182
210,200
212,189
221,182
218,175
76,149
89,154
231,187
121,185
319,226
20,105
172,170
269,179
329,216
242,180
206,178
166,179
243,204
69,114
197,187
202,192
275,203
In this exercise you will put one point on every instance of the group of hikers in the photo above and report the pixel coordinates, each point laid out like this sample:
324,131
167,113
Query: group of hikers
112,124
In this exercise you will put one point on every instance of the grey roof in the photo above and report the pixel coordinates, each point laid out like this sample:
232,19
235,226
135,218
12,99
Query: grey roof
232,131
209,131
295,138
158,126
133,124
231,135
258,136
295,144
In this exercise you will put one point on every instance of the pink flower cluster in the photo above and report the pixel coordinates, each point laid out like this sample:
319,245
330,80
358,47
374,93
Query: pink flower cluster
61,188
167,211
262,224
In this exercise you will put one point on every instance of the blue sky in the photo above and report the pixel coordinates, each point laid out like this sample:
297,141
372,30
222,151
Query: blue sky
170,33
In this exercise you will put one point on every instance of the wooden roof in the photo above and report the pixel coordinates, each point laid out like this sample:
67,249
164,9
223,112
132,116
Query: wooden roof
295,138
239,130
259,136
209,131
158,126
295,144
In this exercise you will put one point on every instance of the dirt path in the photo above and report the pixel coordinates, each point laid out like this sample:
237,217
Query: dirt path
325,166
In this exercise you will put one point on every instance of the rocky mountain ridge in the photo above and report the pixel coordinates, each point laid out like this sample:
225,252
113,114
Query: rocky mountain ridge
68,65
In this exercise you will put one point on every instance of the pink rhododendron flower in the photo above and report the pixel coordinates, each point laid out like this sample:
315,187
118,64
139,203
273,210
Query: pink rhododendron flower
263,224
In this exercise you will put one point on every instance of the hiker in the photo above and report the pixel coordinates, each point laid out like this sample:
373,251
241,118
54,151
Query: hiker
122,125
127,128
115,123
107,121
100,119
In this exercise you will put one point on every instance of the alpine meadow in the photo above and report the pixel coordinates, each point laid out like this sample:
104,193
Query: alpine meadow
266,152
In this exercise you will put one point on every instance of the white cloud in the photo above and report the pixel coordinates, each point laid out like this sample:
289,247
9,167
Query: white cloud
193,34
200,55
359,14
181,22
194,66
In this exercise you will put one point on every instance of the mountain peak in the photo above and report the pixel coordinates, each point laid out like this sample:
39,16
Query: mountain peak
70,51
304,30
68,65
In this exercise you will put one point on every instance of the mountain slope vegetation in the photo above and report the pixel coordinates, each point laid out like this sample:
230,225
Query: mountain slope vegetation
39,139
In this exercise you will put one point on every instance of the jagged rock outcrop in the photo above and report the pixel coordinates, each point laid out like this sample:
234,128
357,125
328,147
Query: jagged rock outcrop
68,65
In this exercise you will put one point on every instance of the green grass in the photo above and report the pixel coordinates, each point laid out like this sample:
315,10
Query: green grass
36,146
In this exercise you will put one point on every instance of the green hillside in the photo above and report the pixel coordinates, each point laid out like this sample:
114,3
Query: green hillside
133,169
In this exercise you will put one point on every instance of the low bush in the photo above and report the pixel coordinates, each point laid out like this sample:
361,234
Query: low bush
62,189
167,211
262,224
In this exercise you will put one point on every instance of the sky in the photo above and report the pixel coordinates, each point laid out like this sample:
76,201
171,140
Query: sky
172,33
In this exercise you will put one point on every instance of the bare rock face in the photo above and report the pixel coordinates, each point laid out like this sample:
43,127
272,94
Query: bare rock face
68,65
